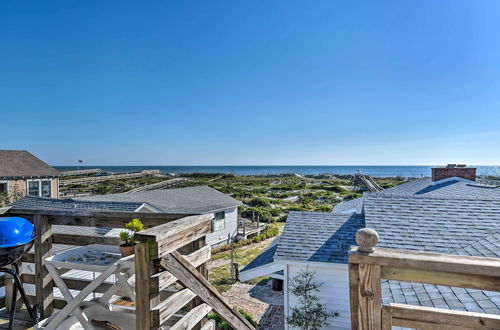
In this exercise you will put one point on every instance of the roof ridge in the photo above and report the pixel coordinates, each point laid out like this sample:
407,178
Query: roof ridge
473,242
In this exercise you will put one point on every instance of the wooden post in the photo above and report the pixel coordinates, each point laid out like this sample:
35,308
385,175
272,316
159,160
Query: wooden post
196,245
44,285
147,288
258,224
366,303
353,293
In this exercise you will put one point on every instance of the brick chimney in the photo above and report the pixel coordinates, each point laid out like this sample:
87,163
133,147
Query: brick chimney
454,170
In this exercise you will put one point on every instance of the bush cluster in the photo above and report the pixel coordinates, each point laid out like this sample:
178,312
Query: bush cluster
222,325
271,231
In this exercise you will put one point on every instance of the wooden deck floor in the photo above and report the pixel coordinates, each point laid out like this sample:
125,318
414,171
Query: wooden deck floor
22,321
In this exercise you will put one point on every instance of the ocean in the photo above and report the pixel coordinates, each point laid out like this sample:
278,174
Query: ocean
373,170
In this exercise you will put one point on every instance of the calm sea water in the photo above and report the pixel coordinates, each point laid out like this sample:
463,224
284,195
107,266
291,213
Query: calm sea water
377,171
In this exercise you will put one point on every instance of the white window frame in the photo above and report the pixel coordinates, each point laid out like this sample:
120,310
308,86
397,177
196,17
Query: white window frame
6,186
221,223
39,186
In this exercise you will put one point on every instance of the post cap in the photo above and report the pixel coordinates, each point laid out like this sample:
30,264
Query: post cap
366,238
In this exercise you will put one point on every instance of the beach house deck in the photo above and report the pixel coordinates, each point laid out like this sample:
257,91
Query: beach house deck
369,266
170,282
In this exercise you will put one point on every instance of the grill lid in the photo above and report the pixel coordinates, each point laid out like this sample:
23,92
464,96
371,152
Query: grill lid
15,231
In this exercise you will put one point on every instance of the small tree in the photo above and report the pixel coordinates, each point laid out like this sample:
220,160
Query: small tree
309,314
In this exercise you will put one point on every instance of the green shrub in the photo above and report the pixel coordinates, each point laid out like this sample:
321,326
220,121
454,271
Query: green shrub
271,231
220,324
259,202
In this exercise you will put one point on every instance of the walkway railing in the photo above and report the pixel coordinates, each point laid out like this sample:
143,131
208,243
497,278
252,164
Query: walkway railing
368,266
172,250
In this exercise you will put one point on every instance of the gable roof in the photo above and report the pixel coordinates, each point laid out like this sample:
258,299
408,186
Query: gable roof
32,202
450,188
22,164
317,236
189,200
350,206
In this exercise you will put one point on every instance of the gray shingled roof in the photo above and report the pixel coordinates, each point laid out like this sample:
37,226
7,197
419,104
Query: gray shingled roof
348,206
316,236
189,200
41,203
22,164
454,217
454,226
265,257
425,188
431,224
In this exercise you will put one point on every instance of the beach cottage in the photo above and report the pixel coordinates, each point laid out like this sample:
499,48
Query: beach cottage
181,201
22,174
449,213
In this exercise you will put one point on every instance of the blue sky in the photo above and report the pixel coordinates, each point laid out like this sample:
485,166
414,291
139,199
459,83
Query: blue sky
251,82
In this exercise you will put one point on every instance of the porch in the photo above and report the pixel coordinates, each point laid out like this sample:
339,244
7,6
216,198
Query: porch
170,282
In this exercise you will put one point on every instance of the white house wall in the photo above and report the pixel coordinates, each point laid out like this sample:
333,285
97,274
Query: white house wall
334,292
229,232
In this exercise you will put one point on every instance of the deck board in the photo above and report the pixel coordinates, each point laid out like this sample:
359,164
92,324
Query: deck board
22,321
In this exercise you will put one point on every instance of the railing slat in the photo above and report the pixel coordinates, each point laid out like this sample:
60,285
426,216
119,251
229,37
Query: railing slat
82,240
176,264
480,282
428,261
170,306
437,318
192,318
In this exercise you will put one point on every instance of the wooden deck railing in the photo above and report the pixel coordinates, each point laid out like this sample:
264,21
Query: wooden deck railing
172,249
177,252
368,266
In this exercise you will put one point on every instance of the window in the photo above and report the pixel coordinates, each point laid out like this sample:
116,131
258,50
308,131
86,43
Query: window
4,188
34,188
39,188
219,222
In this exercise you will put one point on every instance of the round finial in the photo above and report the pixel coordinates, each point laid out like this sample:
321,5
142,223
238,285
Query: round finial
367,239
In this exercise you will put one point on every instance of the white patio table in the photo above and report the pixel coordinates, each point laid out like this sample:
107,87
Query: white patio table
103,259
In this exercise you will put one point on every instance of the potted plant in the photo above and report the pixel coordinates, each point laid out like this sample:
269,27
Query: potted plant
127,248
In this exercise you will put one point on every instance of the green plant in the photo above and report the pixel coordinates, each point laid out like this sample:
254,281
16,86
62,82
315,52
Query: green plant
309,314
133,226
222,325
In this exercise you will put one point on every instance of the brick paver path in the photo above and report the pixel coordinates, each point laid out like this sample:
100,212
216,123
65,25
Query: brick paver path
264,304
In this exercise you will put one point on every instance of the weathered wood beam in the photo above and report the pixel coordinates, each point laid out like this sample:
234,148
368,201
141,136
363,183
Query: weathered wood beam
107,219
147,288
82,240
436,318
369,297
176,234
196,259
43,249
170,306
427,261
471,281
353,294
191,319
178,266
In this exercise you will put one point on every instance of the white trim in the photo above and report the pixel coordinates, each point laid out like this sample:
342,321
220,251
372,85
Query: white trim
453,178
6,185
285,296
148,207
319,264
264,270
39,187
